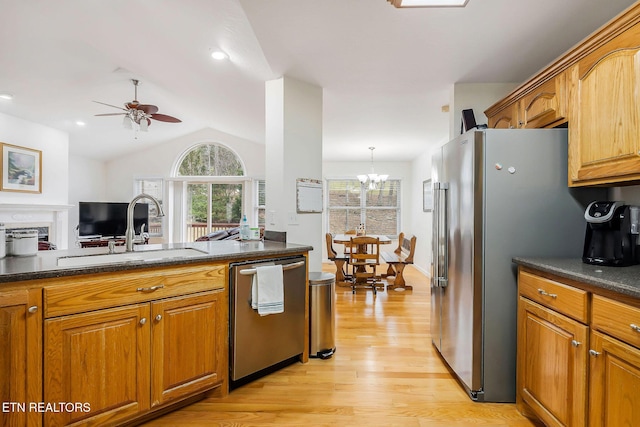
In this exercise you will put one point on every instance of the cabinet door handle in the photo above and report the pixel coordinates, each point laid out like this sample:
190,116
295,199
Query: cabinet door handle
158,317
635,327
594,353
151,289
575,343
547,294
33,309
143,320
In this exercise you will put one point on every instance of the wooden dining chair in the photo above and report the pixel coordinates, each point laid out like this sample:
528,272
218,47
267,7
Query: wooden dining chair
339,260
347,246
364,262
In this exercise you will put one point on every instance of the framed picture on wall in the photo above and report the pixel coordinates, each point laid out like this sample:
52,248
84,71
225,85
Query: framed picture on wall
427,196
21,169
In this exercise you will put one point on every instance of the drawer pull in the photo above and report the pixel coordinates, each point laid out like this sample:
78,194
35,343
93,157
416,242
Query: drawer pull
143,320
151,289
158,317
547,294
575,343
635,327
594,353
32,309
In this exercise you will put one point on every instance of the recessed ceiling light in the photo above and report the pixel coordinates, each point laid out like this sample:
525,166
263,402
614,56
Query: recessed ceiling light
428,3
80,123
6,96
219,55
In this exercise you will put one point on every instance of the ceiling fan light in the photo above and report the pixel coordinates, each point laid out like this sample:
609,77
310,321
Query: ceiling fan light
363,178
144,125
127,123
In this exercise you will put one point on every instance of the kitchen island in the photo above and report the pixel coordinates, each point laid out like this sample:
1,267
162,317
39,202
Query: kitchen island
578,357
94,341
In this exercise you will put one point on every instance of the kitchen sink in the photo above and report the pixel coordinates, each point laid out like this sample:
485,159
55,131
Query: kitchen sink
129,257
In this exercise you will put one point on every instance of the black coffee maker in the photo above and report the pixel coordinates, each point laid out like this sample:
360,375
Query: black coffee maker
611,235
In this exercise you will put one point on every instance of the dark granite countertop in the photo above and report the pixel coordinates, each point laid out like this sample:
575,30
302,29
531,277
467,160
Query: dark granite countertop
45,264
623,280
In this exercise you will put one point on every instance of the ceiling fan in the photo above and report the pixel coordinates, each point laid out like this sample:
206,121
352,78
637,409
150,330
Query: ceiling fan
138,114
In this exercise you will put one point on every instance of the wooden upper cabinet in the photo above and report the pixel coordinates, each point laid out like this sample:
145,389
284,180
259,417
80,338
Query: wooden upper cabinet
20,356
543,106
604,121
506,118
546,105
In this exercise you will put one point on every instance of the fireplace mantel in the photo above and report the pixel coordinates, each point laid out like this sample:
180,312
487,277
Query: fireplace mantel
54,216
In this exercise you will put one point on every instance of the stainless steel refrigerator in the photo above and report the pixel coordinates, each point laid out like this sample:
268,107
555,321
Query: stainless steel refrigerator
497,194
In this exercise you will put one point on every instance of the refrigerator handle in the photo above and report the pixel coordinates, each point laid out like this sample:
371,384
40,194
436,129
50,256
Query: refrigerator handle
441,243
435,236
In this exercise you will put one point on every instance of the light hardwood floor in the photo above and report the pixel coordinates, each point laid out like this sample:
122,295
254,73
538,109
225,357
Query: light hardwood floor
385,372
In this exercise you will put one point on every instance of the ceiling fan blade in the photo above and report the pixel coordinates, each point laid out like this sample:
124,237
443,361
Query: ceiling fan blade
111,114
109,105
165,118
148,108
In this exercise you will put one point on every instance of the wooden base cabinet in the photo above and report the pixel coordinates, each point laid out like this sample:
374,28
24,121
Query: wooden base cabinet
576,369
614,395
99,359
552,365
117,363
187,344
20,357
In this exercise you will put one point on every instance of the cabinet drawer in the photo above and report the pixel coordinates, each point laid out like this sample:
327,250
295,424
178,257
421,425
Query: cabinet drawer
616,319
86,293
562,298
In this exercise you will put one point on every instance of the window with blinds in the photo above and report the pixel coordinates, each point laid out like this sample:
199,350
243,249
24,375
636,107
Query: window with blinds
350,204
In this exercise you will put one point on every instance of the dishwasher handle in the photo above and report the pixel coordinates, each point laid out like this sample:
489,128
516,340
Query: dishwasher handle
252,271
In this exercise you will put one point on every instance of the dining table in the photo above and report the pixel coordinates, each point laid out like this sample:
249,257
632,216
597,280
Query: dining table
346,239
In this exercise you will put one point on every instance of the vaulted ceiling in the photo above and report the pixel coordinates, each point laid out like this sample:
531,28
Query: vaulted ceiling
386,72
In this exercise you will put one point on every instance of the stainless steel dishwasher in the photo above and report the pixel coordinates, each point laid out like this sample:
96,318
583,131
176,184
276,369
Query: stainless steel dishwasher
261,342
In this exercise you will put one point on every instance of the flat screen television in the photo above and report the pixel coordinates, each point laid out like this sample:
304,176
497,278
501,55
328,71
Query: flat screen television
109,219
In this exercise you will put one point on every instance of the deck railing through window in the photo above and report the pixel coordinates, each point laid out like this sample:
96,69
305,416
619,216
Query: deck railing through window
199,229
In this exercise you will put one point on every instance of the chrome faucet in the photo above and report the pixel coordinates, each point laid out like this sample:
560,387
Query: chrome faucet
130,233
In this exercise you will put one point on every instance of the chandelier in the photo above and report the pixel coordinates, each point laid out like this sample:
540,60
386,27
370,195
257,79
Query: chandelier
372,179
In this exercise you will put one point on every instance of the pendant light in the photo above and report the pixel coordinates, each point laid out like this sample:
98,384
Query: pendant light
372,179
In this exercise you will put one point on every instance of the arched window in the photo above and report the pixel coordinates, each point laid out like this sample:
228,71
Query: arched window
210,160
214,189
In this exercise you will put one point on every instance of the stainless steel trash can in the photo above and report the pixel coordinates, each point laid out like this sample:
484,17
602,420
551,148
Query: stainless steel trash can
322,322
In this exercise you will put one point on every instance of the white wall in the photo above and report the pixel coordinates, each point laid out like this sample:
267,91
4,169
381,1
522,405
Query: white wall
51,204
478,97
54,145
420,220
294,150
87,183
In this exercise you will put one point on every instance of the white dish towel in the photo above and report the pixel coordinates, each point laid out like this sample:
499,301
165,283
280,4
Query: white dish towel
267,290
